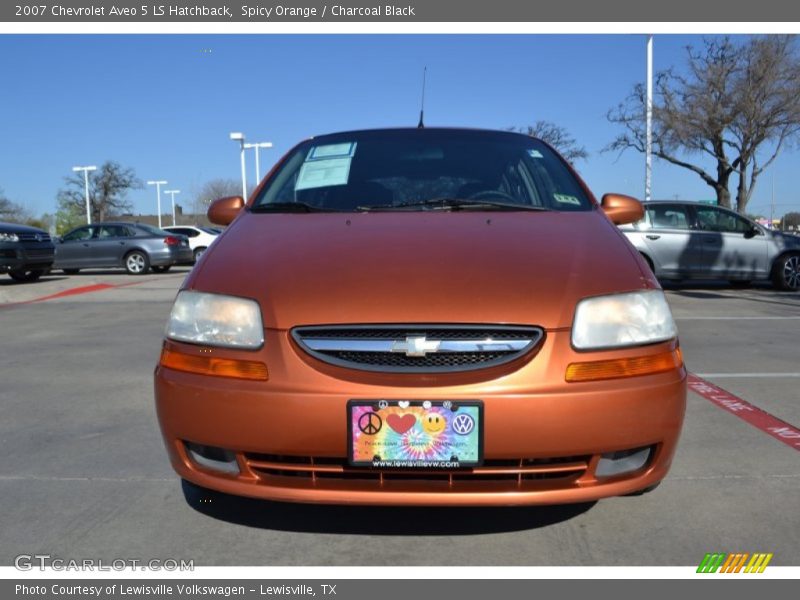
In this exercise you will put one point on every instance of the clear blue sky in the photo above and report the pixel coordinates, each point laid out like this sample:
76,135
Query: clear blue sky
164,104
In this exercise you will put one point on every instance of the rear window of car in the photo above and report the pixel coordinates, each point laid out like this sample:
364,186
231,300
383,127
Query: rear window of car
394,167
665,216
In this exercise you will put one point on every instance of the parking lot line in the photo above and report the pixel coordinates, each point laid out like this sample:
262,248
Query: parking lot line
745,375
758,418
716,318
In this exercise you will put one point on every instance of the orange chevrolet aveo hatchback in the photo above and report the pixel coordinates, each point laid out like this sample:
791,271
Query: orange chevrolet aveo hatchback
422,317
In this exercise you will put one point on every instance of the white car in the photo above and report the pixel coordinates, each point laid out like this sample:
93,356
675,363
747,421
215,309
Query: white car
200,238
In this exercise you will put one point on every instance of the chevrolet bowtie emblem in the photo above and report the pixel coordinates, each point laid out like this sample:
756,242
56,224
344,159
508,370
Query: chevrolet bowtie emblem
416,345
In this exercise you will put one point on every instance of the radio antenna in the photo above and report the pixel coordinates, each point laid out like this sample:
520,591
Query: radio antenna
421,123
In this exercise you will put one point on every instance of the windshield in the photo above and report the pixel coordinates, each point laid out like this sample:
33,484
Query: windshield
419,169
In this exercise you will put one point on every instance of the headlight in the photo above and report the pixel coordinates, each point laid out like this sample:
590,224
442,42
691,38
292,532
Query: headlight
215,320
622,320
9,237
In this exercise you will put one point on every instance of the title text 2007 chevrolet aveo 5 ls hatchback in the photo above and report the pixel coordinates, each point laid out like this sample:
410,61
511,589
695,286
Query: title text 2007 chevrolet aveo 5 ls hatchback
422,317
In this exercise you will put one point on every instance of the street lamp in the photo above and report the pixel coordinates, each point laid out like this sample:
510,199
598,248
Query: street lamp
239,137
86,188
257,146
172,195
158,185
648,153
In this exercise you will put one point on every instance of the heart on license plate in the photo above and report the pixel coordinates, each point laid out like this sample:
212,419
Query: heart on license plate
415,434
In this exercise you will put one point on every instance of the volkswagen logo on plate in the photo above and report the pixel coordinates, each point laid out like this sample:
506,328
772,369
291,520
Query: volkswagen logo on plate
463,424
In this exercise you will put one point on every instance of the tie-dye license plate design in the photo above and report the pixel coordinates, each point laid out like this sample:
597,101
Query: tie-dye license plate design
415,434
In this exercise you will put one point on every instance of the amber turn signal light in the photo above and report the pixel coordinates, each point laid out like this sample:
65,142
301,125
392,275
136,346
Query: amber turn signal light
624,367
211,365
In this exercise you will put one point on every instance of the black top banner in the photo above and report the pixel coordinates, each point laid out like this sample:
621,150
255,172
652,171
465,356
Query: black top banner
256,11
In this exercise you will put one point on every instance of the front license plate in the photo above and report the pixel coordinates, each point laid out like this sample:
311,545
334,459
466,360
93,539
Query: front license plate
415,434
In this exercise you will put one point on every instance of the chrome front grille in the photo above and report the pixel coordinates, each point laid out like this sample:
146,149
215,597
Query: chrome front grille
33,237
418,348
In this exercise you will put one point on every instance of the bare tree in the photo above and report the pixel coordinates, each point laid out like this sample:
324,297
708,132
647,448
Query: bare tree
11,211
732,104
768,94
216,188
108,189
558,137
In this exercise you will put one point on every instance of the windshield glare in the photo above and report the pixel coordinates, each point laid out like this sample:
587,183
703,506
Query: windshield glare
392,168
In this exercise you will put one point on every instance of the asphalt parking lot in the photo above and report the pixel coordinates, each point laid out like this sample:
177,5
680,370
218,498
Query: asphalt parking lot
84,474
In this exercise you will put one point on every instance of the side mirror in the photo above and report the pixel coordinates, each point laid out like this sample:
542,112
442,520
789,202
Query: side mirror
224,210
752,232
622,209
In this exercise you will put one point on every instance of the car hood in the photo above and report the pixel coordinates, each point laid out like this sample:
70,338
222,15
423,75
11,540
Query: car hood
420,267
17,228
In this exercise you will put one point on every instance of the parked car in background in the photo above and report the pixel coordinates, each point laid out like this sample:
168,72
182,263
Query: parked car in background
422,317
136,247
26,253
690,240
200,238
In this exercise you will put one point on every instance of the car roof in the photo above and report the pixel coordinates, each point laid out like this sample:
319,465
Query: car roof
422,131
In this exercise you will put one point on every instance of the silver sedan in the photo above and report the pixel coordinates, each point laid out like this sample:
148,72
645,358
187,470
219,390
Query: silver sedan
690,240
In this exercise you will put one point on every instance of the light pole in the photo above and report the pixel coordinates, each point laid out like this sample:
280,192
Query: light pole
158,185
237,136
172,195
86,189
648,157
257,146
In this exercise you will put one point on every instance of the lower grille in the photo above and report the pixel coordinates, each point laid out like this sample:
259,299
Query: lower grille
39,252
418,348
267,466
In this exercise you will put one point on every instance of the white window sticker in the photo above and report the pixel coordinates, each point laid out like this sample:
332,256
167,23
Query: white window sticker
326,166
535,154
346,150
564,199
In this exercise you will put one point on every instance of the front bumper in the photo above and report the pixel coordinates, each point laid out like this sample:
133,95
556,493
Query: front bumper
19,256
289,434
171,255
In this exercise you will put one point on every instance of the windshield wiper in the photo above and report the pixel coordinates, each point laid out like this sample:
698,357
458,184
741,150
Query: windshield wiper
289,207
453,204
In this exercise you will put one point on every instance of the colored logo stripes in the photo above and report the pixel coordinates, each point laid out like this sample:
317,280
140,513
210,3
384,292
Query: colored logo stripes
734,563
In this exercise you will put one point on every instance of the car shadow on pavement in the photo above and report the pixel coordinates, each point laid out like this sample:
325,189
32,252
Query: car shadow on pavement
764,294
7,281
95,272
375,520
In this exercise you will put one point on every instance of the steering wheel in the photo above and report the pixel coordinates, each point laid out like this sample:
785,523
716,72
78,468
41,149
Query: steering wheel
489,194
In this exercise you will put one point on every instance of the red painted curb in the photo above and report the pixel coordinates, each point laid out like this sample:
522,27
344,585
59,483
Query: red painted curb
760,419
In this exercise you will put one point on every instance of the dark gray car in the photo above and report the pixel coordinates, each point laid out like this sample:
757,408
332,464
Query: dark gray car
26,253
136,247
689,240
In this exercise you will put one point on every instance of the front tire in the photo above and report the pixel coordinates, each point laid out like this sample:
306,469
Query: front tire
25,275
786,273
137,263
198,252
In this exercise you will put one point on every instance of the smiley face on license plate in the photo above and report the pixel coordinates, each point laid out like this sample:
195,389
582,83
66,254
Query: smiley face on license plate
415,434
